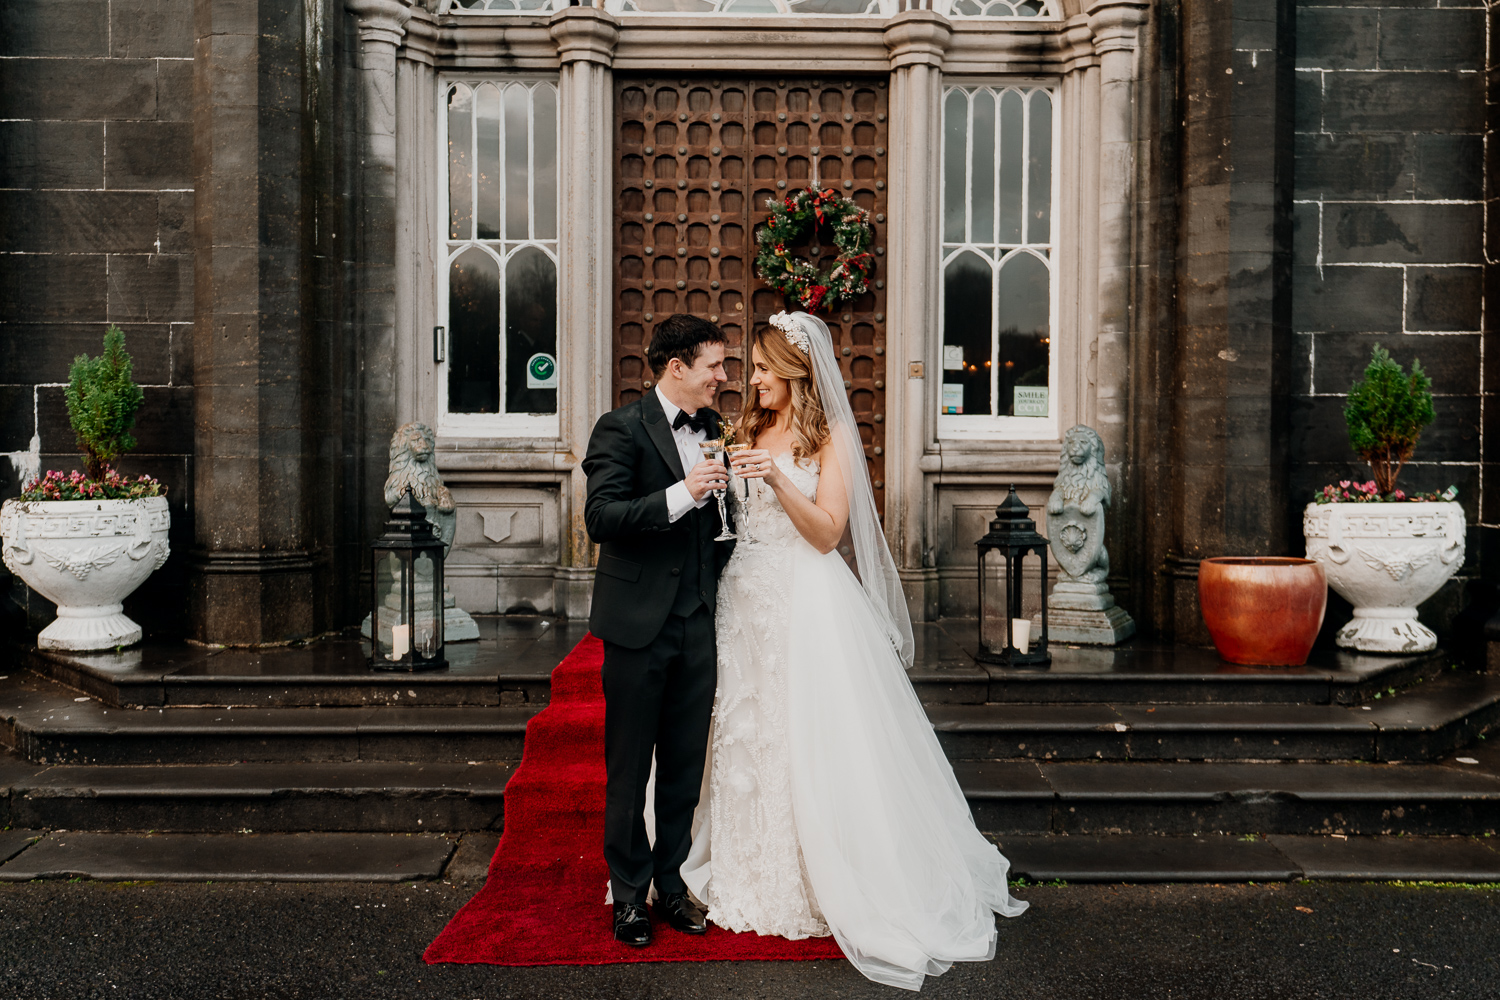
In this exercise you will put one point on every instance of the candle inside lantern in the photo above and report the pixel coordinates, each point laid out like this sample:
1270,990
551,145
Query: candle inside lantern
1020,631
400,641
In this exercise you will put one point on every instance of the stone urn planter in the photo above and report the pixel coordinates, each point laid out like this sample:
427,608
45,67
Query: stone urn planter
1385,558
1262,611
86,556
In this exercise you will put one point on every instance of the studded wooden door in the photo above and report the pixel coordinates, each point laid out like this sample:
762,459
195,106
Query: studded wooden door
696,160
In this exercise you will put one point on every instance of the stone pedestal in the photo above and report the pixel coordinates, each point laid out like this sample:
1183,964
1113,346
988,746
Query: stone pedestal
1084,613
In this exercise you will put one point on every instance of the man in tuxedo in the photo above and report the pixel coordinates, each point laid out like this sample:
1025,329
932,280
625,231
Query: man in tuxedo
649,510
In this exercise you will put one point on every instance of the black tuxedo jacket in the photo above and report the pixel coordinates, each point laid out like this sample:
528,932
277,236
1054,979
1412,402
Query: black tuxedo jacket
631,461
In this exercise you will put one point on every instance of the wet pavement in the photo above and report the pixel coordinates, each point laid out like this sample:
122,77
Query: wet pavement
198,941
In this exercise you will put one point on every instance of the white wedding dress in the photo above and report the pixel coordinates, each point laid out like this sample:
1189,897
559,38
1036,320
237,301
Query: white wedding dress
827,804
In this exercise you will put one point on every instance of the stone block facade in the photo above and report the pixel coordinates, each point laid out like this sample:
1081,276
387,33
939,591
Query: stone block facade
1252,193
96,190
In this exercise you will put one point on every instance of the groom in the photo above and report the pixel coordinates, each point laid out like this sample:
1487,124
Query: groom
654,594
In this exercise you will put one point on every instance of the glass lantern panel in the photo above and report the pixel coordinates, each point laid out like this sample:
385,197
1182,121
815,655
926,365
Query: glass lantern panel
390,625
992,611
427,611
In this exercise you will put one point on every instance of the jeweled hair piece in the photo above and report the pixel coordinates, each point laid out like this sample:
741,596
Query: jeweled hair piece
795,334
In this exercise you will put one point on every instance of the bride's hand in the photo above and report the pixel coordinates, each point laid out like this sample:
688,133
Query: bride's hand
756,463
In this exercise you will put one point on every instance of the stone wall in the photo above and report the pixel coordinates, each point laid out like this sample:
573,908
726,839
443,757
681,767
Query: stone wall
1389,234
96,194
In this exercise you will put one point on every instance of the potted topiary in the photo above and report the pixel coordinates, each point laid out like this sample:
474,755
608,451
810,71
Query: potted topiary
87,540
1385,551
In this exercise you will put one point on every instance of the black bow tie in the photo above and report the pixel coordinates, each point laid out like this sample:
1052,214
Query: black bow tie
695,421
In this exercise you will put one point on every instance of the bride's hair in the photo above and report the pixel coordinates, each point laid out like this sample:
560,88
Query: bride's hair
809,423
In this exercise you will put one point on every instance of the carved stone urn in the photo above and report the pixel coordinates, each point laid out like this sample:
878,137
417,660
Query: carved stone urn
1385,559
86,556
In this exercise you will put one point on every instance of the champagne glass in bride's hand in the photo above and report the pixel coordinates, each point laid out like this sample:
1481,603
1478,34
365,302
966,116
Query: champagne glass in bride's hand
713,451
733,450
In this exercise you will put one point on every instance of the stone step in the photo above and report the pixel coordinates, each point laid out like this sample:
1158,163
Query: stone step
1422,723
509,664
345,797
1143,672
249,857
45,723
1032,797
1211,858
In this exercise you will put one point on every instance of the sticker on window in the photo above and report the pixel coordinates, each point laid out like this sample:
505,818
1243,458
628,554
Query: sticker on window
1030,401
541,372
953,357
953,397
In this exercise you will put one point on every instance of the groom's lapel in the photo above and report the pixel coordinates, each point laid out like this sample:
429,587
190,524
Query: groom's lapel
655,419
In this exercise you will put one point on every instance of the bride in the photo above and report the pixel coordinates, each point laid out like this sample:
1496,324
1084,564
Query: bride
827,804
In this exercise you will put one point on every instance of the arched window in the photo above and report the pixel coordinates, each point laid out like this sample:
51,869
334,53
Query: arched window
998,263
501,275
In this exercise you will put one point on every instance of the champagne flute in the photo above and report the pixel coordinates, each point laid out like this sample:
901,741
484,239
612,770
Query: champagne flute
713,450
735,449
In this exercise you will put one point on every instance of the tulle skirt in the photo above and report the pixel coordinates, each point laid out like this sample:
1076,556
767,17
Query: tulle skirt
905,882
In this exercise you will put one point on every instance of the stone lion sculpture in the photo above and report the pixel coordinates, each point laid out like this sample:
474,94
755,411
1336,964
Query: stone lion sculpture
1076,508
413,465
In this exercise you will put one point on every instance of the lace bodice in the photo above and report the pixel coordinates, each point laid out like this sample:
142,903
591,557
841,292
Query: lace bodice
762,519
759,881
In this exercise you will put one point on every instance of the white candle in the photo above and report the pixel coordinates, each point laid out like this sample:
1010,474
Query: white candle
400,641
1020,632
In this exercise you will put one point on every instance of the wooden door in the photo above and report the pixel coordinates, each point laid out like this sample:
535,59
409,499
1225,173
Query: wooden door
697,158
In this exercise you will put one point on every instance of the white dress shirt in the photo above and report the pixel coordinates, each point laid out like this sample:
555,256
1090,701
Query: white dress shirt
679,500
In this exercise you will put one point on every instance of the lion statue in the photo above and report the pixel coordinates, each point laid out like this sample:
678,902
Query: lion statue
413,465
1075,510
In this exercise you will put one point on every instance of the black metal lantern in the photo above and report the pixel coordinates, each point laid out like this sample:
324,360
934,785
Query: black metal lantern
406,616
1011,538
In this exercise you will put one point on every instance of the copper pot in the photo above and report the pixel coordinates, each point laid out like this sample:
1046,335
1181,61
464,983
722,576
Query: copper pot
1263,610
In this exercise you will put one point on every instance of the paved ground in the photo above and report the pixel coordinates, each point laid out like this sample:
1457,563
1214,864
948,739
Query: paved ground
75,940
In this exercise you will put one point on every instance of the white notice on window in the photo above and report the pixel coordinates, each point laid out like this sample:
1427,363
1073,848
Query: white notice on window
541,372
953,397
953,357
1031,401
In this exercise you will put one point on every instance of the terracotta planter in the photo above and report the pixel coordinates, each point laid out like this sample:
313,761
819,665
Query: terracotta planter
1263,610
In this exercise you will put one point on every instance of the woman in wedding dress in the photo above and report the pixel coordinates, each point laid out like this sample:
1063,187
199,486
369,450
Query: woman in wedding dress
827,804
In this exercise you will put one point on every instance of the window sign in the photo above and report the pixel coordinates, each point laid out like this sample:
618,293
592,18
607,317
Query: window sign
1030,401
501,247
541,372
998,257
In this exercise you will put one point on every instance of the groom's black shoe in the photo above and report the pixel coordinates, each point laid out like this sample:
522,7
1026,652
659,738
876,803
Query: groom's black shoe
679,911
632,925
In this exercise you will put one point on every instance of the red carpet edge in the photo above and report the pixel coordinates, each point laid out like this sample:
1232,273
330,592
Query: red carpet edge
543,903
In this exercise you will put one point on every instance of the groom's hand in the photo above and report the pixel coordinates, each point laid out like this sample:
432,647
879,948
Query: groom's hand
706,477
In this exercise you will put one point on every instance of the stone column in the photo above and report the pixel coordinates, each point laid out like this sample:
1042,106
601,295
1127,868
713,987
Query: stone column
1115,26
382,25
585,38
255,552
917,40
1228,471
417,265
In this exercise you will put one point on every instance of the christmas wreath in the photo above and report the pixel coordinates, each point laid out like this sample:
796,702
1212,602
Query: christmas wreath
789,221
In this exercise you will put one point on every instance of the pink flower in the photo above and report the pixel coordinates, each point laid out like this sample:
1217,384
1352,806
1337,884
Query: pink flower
1344,483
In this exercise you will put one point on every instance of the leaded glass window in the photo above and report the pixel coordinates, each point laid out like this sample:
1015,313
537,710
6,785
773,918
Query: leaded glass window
998,302
501,270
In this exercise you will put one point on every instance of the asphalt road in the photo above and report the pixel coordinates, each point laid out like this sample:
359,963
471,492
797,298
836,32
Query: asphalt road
74,940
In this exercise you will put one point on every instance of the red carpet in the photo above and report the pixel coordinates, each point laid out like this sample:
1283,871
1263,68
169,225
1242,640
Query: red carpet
544,901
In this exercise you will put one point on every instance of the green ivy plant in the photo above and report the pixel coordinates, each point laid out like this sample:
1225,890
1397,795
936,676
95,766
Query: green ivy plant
102,402
1386,412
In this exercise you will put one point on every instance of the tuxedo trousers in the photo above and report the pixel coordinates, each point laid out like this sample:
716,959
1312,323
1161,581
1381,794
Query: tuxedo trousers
659,699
